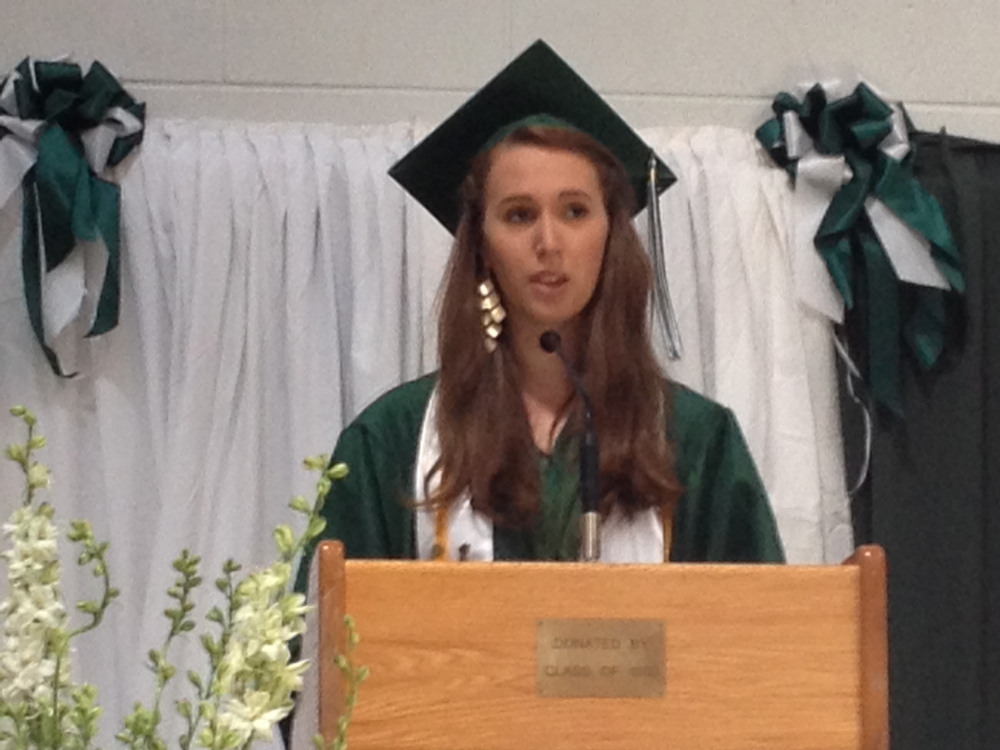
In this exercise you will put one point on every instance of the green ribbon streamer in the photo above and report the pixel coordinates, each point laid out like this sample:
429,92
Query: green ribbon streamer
559,518
854,127
556,533
64,201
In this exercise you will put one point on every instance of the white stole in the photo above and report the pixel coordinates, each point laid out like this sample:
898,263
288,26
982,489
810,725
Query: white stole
639,540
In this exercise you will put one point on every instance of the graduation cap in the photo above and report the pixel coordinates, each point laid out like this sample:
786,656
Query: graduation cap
537,88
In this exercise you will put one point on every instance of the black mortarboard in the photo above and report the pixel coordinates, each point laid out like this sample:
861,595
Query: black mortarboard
537,83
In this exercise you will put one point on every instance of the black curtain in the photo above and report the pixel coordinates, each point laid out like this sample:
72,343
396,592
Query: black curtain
933,494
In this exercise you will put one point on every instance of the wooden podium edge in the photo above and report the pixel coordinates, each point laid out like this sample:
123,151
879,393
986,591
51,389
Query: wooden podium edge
874,647
332,594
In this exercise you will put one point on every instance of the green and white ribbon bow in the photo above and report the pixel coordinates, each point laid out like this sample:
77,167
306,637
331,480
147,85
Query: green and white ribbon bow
59,131
876,229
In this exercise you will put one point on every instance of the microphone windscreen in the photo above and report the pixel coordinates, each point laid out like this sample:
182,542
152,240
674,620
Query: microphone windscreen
549,341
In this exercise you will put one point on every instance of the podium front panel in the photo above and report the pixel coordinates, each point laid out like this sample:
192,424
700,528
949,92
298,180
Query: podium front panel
755,656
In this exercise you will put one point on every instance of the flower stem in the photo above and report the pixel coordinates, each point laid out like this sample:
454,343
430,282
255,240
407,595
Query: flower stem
108,594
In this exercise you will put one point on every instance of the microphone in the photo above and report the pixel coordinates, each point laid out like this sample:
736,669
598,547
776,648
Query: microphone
590,488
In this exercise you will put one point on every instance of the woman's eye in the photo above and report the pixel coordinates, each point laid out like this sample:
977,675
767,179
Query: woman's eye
576,211
519,215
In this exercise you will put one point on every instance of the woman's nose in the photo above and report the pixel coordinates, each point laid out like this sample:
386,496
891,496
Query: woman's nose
547,237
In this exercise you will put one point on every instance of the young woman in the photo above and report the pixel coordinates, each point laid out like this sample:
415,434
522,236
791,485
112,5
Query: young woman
480,460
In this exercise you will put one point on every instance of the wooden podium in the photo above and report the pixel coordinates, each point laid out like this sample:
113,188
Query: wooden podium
756,656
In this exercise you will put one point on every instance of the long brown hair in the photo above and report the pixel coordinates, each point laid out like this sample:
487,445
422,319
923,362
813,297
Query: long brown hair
486,442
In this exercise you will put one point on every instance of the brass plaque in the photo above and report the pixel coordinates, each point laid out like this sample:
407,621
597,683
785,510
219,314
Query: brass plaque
601,659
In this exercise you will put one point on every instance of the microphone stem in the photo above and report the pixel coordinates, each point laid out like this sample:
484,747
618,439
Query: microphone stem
590,537
590,485
590,519
590,459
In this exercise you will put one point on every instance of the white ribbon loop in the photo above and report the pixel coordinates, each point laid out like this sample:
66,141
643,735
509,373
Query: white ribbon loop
98,141
63,289
897,143
908,251
16,158
17,150
818,178
8,95
797,140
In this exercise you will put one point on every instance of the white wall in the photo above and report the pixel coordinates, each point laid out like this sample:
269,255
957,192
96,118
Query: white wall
663,62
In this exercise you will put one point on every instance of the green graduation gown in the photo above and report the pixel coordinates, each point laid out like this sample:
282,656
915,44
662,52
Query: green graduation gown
724,514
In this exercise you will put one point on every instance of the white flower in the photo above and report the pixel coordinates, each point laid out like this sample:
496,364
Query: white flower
32,675
33,611
255,677
38,476
253,717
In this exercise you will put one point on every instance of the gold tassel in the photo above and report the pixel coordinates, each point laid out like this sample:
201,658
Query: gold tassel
440,549
667,519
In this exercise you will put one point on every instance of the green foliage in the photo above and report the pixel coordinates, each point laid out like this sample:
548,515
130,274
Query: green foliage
353,677
249,680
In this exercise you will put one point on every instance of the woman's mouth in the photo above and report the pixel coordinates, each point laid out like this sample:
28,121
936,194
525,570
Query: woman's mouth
548,280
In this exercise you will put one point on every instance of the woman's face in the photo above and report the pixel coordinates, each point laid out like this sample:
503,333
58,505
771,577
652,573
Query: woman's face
545,230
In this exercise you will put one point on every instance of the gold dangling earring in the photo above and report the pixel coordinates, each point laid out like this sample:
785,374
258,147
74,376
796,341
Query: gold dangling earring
493,314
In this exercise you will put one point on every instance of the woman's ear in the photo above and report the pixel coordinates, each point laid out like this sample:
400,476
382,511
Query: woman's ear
483,268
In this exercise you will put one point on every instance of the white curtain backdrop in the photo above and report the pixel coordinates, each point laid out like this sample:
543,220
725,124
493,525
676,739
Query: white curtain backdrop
275,281
747,342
